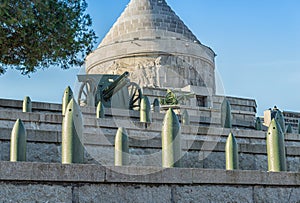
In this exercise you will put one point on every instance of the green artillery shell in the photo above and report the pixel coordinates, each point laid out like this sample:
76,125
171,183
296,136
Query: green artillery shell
231,151
18,142
258,124
289,129
185,118
171,146
156,105
68,95
121,148
280,120
145,110
275,148
226,114
72,148
27,106
100,110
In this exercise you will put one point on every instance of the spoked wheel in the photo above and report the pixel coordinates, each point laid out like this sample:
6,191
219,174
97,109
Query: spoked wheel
135,96
86,96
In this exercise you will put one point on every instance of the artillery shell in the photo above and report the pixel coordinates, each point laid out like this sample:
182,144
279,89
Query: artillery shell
27,106
145,110
18,142
226,114
276,148
68,95
170,136
121,148
100,110
72,147
231,153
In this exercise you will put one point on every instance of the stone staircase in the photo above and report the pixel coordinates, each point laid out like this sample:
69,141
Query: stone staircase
202,144
203,160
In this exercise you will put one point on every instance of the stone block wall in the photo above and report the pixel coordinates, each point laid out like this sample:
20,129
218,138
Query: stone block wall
31,182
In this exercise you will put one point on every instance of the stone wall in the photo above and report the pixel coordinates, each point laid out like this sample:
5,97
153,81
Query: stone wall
31,182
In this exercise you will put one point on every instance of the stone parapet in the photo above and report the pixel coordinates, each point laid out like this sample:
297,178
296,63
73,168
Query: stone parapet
21,182
16,105
89,173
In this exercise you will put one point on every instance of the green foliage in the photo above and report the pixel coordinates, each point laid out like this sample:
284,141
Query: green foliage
38,34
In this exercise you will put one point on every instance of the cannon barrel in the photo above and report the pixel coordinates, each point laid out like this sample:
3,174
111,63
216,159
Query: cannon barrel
115,86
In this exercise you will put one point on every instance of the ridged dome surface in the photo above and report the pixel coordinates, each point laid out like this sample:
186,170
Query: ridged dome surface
148,17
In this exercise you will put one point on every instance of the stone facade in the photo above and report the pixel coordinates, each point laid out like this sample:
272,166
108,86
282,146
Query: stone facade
165,70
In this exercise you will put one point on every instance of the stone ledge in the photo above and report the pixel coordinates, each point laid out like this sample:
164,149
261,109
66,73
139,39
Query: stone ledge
30,171
139,140
10,117
34,135
36,106
45,172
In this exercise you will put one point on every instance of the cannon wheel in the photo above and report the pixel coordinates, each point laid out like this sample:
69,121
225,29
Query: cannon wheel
86,96
135,96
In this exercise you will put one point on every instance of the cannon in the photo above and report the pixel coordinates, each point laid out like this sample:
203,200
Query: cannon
114,91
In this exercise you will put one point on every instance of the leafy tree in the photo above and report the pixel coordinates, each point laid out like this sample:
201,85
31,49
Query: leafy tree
37,34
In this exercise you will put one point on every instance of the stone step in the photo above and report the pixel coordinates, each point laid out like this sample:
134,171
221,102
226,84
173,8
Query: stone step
137,140
242,119
146,152
52,122
16,105
110,174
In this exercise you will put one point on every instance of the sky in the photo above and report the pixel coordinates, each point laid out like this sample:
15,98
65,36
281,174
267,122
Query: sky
257,44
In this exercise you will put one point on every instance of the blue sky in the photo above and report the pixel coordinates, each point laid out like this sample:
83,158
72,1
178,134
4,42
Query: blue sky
257,45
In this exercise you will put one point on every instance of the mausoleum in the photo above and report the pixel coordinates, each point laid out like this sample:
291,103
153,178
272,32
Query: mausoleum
111,147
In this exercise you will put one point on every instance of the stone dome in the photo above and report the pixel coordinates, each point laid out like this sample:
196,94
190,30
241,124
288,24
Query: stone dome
148,19
154,45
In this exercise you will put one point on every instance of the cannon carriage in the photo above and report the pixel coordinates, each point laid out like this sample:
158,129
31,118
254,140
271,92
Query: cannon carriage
114,91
